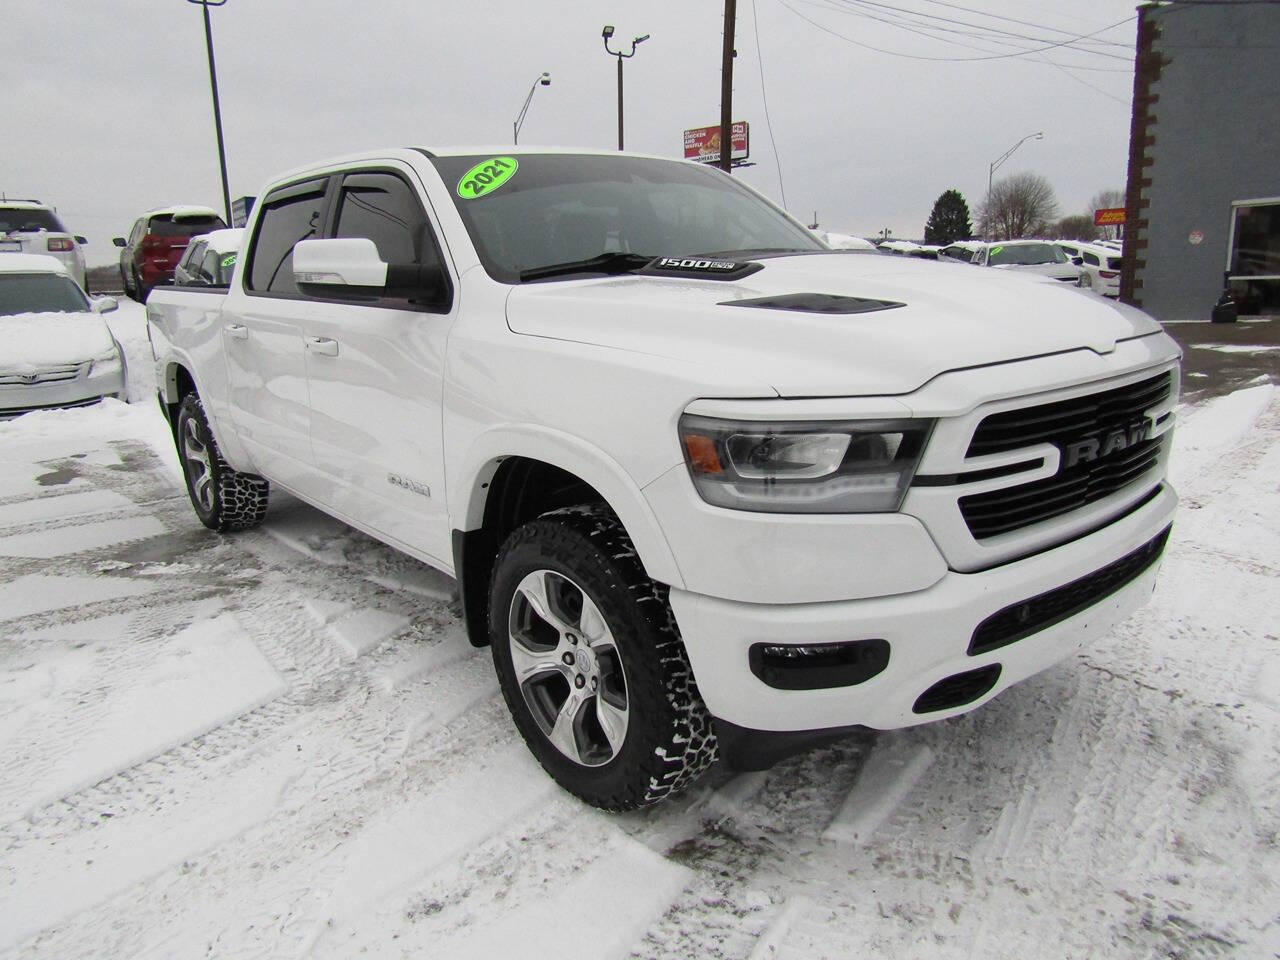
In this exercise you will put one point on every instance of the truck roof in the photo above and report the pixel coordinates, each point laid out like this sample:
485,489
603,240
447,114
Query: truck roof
410,154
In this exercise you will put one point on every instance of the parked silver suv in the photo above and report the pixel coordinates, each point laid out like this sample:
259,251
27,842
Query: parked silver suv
28,226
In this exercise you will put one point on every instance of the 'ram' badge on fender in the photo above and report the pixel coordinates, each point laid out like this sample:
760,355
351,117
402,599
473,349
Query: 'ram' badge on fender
413,486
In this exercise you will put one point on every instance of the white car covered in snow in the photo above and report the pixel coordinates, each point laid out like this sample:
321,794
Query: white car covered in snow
55,348
707,486
1034,257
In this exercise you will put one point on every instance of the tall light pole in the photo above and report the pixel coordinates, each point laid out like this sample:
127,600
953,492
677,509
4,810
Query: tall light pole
543,81
607,34
995,165
217,109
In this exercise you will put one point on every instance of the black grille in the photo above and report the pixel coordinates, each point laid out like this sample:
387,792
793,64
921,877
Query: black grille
1067,423
957,690
1023,619
1071,488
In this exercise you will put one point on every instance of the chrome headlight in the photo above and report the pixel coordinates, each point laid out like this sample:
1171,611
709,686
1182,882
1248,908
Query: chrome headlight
855,466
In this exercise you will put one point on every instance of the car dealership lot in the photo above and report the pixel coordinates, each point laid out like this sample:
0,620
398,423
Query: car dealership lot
283,744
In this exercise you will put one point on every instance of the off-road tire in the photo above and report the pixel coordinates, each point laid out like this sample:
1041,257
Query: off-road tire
227,500
669,740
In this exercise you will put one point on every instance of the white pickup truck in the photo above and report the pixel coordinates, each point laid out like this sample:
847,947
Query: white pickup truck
707,486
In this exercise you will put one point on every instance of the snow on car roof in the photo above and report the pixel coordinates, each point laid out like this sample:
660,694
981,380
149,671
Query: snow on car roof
30,263
222,241
24,205
183,210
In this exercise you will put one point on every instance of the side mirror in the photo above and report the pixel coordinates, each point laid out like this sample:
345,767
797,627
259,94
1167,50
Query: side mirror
105,304
1077,260
339,266
352,269
81,240
118,241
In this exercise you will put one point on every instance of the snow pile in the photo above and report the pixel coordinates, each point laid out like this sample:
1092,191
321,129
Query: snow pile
33,341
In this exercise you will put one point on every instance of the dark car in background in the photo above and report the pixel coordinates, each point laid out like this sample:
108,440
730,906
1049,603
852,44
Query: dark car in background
156,243
209,259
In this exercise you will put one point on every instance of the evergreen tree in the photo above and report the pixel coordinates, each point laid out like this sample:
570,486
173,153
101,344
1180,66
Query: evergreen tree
949,220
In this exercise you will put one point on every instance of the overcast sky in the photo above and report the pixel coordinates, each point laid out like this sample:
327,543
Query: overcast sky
106,107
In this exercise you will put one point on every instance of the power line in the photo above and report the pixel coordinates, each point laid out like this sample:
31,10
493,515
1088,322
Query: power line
1074,38
1024,23
910,56
755,23
932,33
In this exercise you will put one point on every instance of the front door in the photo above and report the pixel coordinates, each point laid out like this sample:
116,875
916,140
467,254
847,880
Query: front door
375,372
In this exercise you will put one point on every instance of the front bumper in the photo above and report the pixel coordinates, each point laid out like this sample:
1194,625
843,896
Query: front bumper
928,632
84,389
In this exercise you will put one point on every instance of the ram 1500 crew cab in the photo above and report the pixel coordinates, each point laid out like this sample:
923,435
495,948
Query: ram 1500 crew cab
707,486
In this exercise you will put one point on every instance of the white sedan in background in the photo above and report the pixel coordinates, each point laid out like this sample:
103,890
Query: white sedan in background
55,348
1028,256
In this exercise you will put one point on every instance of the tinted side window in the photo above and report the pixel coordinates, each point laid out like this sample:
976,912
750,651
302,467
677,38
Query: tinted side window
381,207
289,215
191,259
1090,259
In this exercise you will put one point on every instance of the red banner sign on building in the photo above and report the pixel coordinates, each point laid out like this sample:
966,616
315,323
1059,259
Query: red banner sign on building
1108,217
703,143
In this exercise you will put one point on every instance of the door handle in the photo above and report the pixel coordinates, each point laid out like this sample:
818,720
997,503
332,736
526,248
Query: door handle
323,346
237,331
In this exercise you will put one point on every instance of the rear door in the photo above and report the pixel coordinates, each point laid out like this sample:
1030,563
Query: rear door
264,342
375,373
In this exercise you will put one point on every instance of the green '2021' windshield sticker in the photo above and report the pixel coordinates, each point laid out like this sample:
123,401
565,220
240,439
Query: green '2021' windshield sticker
229,260
486,177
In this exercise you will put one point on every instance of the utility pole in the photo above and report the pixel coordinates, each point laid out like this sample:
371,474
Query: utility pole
217,109
607,34
726,87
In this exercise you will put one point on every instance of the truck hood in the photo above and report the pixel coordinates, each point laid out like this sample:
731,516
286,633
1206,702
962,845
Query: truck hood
954,316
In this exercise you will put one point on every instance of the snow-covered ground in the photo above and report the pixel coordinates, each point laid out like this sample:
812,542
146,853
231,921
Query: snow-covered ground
280,744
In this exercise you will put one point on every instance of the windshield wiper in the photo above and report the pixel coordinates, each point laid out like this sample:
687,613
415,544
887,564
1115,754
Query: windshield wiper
603,263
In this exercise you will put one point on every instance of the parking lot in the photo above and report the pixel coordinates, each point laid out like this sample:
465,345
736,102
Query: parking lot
280,744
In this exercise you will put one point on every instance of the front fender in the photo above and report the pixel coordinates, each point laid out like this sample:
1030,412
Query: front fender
468,490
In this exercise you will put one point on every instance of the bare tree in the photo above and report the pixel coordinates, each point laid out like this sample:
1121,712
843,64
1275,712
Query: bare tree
1104,200
1075,227
1019,206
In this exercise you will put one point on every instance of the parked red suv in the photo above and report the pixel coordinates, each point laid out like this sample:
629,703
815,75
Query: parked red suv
156,243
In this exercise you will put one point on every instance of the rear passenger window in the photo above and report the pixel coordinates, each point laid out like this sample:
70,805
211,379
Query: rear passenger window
1090,259
288,215
381,207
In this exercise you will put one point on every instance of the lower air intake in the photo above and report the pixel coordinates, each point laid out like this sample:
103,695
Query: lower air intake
958,690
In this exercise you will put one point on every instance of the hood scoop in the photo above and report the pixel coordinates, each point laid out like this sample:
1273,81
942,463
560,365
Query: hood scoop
816,303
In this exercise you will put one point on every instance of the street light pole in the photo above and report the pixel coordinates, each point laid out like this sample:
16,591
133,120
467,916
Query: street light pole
995,165
545,81
217,109
607,34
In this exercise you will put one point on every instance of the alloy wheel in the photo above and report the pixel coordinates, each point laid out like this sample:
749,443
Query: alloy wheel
568,668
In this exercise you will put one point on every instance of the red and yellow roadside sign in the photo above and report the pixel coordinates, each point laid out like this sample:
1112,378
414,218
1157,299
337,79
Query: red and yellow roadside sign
1108,217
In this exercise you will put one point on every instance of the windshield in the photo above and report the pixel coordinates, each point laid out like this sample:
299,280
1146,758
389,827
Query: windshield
13,220
1026,254
539,210
39,293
